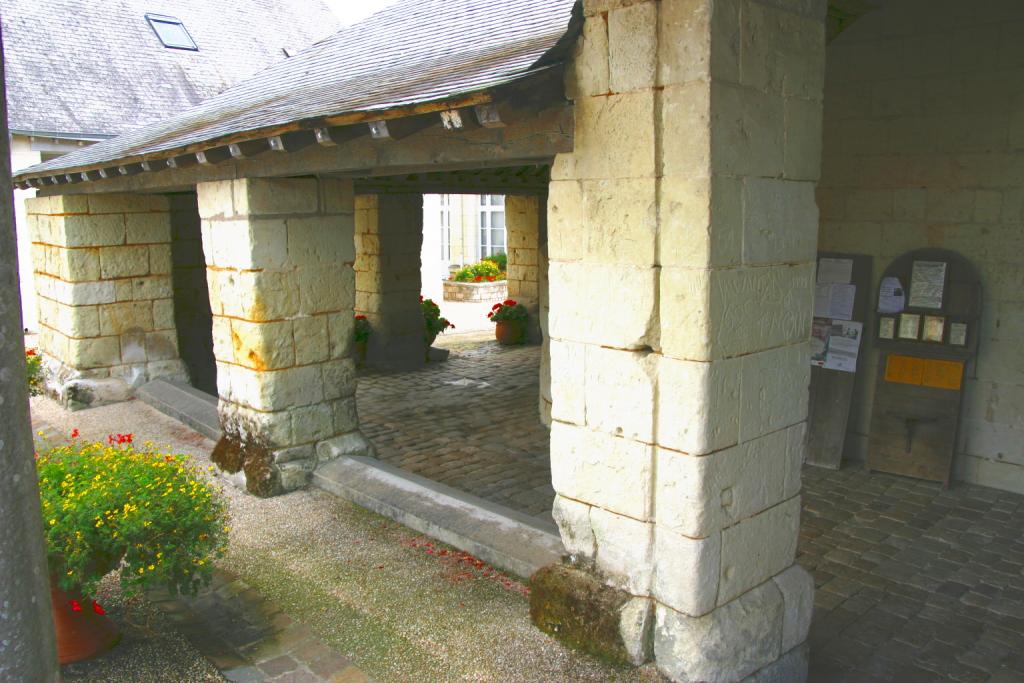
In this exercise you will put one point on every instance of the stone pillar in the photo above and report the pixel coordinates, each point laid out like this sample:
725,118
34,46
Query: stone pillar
682,239
389,235
279,259
28,649
545,351
522,223
103,279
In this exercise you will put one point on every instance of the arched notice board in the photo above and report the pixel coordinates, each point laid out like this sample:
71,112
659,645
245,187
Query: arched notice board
927,331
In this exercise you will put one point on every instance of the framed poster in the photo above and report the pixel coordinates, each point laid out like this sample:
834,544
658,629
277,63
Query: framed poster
927,284
934,329
958,334
887,327
910,324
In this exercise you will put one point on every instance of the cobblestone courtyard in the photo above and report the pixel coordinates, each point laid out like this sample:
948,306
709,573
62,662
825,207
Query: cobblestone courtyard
914,583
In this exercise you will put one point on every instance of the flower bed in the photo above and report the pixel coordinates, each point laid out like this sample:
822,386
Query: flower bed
475,291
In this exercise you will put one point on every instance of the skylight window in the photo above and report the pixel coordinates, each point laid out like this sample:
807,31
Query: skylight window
171,32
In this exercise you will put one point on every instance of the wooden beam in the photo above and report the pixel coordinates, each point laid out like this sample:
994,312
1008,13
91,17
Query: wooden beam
292,142
130,169
338,135
488,116
154,165
183,161
214,155
248,148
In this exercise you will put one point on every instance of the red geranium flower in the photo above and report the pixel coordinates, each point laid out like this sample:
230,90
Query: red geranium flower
478,278
97,609
495,307
490,314
75,606
363,317
30,352
74,433
509,302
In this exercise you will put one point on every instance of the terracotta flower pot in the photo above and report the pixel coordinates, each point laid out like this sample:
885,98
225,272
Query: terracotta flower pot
82,633
509,332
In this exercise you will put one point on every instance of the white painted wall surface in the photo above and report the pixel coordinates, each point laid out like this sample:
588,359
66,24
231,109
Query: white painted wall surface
21,157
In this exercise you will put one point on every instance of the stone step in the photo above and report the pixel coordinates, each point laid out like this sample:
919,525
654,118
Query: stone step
498,535
184,403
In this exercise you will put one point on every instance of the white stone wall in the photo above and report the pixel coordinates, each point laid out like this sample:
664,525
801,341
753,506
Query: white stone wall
923,134
103,281
279,258
22,156
681,238
522,225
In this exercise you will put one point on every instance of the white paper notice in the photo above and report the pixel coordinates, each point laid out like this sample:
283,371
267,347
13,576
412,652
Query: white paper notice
838,270
843,346
833,300
927,282
891,298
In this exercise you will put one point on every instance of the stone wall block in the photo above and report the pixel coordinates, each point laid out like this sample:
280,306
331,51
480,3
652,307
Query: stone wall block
565,220
747,131
619,392
758,548
726,644
568,401
312,423
685,117
117,204
780,221
77,265
345,415
312,343
339,378
216,199
153,287
590,77
337,196
616,139
275,196
148,228
573,520
797,588
781,52
599,469
340,328
161,345
123,317
118,262
773,373
803,139
698,404
698,496
97,352
316,240
88,231
321,288
624,550
263,346
686,571
161,261
687,208
608,318
274,391
632,47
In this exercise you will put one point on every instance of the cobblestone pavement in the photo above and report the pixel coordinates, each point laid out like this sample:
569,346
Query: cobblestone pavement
915,583
250,640
470,422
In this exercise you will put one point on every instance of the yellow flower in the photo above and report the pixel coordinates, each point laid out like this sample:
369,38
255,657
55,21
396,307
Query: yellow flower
53,521
152,567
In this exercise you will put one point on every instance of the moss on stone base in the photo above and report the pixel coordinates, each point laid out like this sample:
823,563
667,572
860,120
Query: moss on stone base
578,609
262,477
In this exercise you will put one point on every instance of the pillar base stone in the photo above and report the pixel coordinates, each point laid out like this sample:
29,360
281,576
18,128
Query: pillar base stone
577,608
789,668
81,389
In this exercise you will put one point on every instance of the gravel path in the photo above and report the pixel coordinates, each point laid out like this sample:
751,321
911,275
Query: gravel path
401,607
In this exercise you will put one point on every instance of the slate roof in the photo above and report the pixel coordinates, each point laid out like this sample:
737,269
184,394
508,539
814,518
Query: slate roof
415,51
95,67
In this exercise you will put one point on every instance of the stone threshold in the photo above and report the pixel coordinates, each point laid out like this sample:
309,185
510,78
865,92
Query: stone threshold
185,404
249,639
503,537
500,536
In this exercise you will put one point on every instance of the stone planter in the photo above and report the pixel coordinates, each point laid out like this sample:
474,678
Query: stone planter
481,292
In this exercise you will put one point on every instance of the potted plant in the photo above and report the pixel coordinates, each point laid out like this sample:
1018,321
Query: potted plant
433,323
510,322
108,506
361,334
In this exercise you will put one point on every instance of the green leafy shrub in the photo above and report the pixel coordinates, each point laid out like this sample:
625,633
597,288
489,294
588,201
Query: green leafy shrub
500,259
108,505
34,371
433,323
507,310
478,272
361,331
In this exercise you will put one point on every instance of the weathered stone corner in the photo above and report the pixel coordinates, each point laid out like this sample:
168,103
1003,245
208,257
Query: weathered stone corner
262,475
578,609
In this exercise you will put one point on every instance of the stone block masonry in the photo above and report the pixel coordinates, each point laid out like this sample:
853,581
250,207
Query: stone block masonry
103,279
388,241
478,292
681,239
279,258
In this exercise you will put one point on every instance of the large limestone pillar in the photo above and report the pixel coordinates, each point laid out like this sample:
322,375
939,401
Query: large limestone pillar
28,650
279,267
103,279
389,236
682,234
522,223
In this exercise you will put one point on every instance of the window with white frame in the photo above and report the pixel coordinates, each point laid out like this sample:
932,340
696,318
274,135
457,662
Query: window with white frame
446,227
492,224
